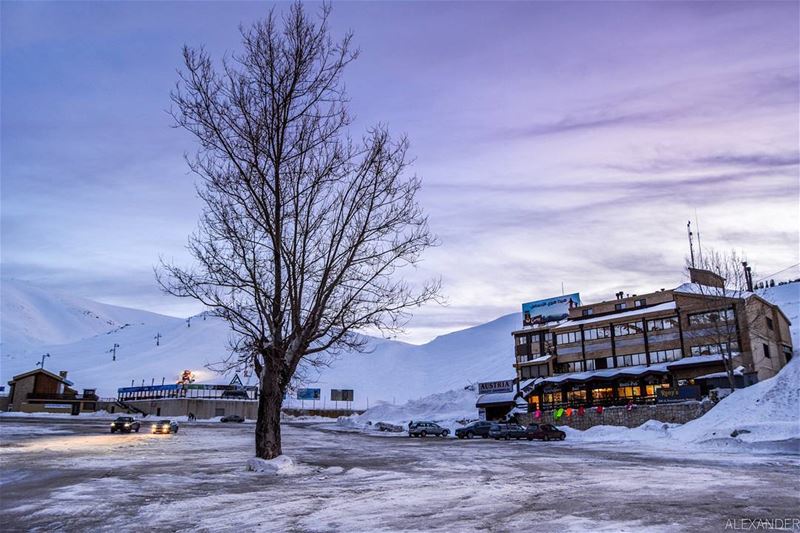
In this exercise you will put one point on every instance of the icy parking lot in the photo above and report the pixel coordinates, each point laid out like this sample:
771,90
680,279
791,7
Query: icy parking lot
74,475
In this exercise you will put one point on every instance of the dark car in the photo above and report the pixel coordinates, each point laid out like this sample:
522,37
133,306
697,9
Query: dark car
544,432
423,429
507,431
476,429
165,426
232,418
125,424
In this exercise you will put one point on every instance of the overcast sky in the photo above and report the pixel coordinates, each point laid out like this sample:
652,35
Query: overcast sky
557,142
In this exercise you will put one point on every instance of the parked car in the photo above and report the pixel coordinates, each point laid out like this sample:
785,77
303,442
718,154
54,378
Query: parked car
165,426
507,431
125,424
476,429
544,432
423,429
232,418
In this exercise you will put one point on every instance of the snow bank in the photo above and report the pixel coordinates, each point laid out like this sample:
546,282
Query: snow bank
453,404
768,411
281,465
651,430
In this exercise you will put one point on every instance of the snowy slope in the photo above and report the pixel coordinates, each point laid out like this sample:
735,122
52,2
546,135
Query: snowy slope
33,317
766,411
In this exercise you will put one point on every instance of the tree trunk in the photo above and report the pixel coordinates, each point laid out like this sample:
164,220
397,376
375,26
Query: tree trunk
268,425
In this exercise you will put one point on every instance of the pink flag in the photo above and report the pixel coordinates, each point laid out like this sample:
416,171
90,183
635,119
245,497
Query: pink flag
599,409
537,414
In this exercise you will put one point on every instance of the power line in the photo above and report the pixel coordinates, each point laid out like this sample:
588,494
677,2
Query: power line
778,272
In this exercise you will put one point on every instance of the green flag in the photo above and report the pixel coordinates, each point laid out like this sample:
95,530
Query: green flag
558,413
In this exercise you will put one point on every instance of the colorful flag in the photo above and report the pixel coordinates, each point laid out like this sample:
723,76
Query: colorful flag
599,409
581,411
558,413
537,414
569,411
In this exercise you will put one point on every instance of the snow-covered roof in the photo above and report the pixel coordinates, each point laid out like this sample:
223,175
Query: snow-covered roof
705,290
666,306
695,360
608,373
530,383
738,371
496,398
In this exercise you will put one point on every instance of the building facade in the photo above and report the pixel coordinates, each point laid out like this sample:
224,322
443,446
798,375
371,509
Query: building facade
662,345
41,391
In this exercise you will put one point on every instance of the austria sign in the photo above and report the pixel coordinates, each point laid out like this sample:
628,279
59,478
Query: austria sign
490,387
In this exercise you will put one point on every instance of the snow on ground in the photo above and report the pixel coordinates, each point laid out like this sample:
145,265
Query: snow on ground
197,480
764,412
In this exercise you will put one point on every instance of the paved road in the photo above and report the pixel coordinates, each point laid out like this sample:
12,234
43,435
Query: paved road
73,475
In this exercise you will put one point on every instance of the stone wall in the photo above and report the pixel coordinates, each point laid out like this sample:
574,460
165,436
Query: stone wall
675,413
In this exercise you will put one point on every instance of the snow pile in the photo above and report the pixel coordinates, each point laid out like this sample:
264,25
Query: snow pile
453,404
649,431
768,411
281,465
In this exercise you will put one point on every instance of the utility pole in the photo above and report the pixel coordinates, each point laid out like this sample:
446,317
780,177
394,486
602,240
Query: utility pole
691,246
158,339
113,351
41,363
189,322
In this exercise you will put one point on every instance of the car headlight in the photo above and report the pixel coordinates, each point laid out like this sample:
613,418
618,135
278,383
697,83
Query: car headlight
127,425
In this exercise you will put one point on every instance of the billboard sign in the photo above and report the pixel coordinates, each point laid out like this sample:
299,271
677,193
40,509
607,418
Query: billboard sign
549,310
490,387
681,394
308,394
341,395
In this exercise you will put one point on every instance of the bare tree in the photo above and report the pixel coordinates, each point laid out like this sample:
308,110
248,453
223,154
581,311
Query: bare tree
726,311
304,230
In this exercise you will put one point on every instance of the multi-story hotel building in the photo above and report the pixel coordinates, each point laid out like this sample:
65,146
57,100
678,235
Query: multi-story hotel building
632,348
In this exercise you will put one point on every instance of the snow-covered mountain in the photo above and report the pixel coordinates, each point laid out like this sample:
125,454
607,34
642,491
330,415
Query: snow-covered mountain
78,334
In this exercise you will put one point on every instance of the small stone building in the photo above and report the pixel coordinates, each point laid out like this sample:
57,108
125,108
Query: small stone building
41,391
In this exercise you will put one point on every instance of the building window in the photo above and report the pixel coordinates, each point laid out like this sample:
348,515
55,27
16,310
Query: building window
603,393
597,333
631,328
660,324
521,340
635,359
628,389
641,302
663,356
711,317
620,306
766,351
551,397
714,349
769,324
586,312
568,338
576,396
563,368
590,364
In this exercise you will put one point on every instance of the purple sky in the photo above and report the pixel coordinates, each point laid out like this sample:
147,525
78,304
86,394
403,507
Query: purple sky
557,142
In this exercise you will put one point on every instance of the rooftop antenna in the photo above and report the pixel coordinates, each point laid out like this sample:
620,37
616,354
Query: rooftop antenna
699,246
691,246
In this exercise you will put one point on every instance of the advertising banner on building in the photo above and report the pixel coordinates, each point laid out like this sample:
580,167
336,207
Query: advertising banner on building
490,387
549,310
308,394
